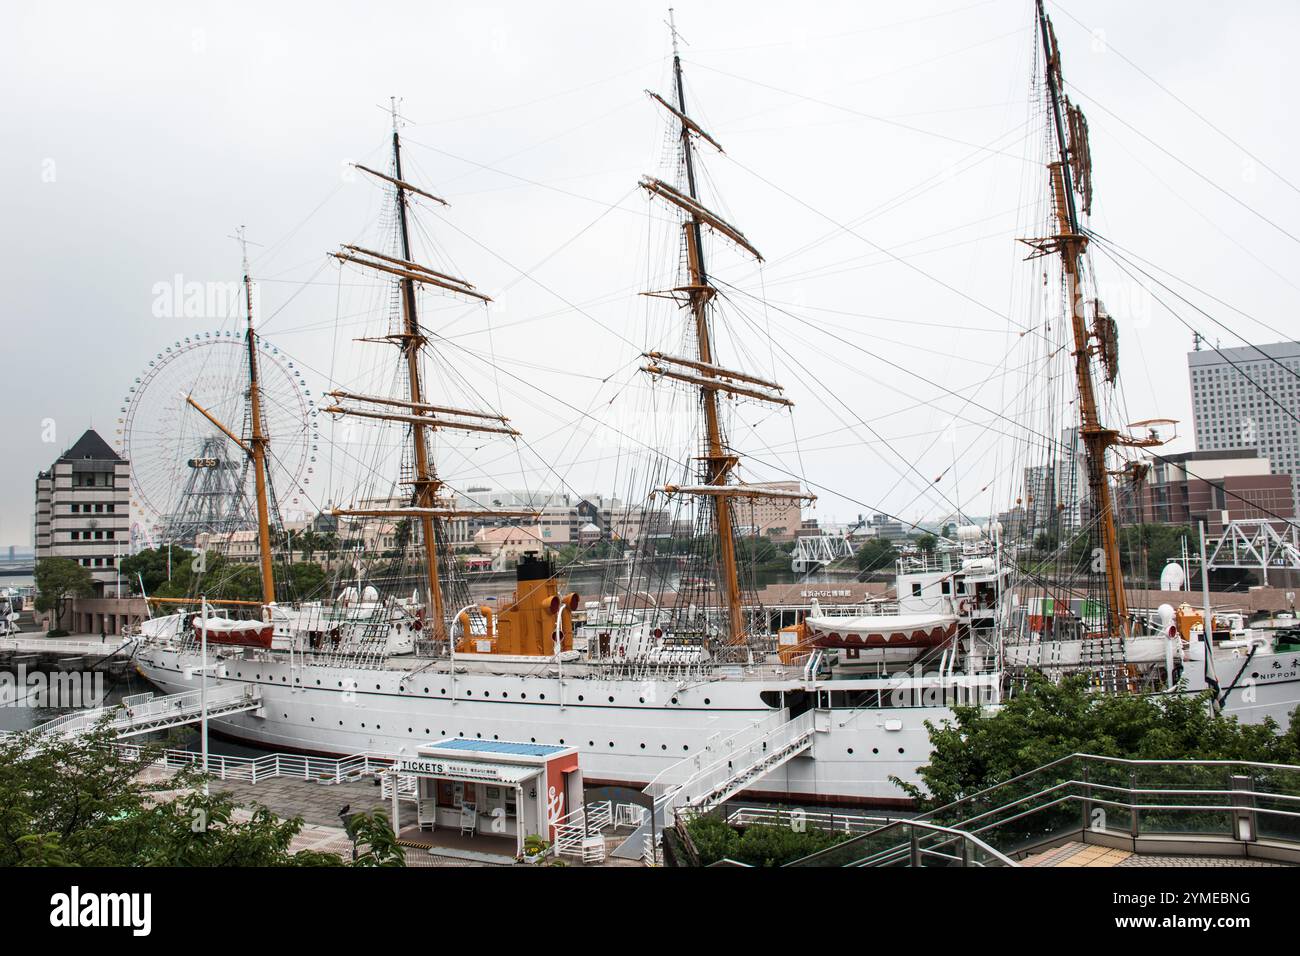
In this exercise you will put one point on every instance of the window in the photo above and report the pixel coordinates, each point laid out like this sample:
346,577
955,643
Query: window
916,590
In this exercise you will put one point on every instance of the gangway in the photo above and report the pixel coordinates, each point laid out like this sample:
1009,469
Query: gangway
717,773
145,713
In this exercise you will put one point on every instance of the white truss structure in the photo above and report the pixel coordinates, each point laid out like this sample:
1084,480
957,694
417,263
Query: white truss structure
813,552
1257,545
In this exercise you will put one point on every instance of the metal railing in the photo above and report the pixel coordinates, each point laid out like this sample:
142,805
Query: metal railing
794,817
253,769
910,843
1222,807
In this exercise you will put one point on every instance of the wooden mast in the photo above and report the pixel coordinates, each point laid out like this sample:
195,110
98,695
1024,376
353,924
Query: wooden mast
257,445
426,482
718,463
719,460
1070,244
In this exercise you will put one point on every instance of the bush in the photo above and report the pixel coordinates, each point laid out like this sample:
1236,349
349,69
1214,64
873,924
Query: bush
759,844
714,840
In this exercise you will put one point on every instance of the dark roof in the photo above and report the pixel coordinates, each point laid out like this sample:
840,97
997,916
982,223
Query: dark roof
90,446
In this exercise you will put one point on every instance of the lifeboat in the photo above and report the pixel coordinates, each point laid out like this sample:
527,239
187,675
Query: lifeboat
222,630
883,630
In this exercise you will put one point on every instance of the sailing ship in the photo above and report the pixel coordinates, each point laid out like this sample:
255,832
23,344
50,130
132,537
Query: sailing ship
640,686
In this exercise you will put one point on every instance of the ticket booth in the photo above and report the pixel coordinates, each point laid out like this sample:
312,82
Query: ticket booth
488,793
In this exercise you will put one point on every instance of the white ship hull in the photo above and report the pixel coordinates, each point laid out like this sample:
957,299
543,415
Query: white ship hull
646,727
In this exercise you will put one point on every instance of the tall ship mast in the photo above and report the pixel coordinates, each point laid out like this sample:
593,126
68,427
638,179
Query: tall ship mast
255,448
427,506
716,488
1095,341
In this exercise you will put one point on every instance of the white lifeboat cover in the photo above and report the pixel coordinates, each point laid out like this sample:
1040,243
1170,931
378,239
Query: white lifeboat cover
881,623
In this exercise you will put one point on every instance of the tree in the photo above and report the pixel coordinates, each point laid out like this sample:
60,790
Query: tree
1047,721
78,802
926,543
153,567
58,580
306,579
877,554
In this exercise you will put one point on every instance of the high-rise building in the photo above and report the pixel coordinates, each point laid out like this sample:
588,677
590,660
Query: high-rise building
1249,397
1073,504
83,510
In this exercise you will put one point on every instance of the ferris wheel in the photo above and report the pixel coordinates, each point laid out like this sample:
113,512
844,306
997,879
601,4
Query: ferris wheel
182,466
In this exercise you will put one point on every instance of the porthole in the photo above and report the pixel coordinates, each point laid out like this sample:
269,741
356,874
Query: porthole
707,701
411,730
479,736
313,720
875,750
591,743
611,700
643,746
674,700
900,750
504,694
495,737
611,743
850,750
318,682
663,746
581,698
641,699
541,697
376,687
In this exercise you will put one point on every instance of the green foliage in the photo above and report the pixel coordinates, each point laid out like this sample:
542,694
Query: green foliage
73,802
151,565
926,543
877,554
58,580
1147,548
376,840
759,844
1047,721
761,554
713,838
306,579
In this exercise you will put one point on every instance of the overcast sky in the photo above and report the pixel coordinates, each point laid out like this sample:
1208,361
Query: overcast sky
138,137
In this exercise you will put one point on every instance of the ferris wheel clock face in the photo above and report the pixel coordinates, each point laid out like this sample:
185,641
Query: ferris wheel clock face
166,439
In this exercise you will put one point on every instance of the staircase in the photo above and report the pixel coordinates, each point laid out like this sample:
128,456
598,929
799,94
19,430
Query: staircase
713,776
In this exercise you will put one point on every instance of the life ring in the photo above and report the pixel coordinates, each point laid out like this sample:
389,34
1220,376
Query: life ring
417,624
963,607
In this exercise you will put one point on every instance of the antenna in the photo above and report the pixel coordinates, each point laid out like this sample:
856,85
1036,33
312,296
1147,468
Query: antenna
671,23
241,237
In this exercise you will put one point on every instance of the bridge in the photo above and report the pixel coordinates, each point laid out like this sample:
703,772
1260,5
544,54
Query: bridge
145,713
1257,545
814,551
